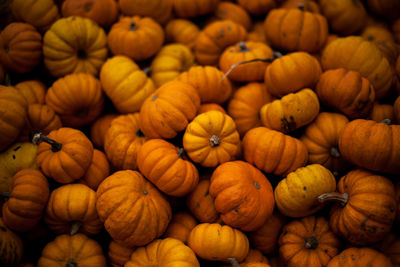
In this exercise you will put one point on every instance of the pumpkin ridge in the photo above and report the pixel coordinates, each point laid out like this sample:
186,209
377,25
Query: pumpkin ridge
301,28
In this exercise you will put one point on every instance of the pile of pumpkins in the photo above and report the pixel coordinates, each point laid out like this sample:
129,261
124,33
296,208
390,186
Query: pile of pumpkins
200,133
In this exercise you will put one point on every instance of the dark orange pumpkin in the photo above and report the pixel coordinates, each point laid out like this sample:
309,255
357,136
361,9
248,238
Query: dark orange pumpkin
201,203
118,254
99,128
234,12
195,8
181,31
258,7
354,257
34,91
180,226
12,247
159,10
98,170
382,113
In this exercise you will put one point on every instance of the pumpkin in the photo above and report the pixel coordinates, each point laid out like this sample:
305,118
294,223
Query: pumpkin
191,9
243,195
125,84
103,12
181,31
201,203
308,241
258,7
98,170
233,56
382,112
303,69
396,29
346,91
29,193
390,50
307,5
72,250
169,62
210,106
34,91
321,139
168,110
180,226
123,140
159,10
211,138
2,74
64,155
72,208
39,13
291,112
164,165
118,254
254,256
390,246
214,38
273,151
364,214
296,195
371,145
367,60
245,105
352,257
387,8
345,17
99,128
377,33
396,109
11,248
296,30
20,47
234,12
13,111
138,38
265,238
214,242
163,252
209,83
134,212
256,33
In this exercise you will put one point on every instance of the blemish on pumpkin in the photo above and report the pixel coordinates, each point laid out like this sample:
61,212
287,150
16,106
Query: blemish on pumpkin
288,126
207,193
220,34
13,156
352,257
198,204
17,148
154,97
305,188
88,7
257,185
363,224
145,192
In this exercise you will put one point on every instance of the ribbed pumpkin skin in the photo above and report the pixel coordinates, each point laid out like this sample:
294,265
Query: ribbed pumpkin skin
123,140
214,38
125,84
368,215
29,195
163,164
308,5
11,247
168,110
201,203
81,249
243,195
258,7
73,203
255,257
296,30
234,12
138,38
296,195
181,31
180,226
39,13
159,10
245,104
98,170
134,212
371,145
163,252
321,139
118,254
71,162
354,257
346,91
382,112
13,110
218,243
207,80
99,129
190,9
74,44
273,151
34,91
303,69
366,59
291,111
299,234
20,47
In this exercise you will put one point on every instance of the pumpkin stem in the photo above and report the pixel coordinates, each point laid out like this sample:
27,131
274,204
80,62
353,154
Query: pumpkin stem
243,47
387,121
233,262
311,243
300,6
133,26
335,196
71,263
38,137
75,227
334,152
180,152
274,56
147,70
215,141
139,133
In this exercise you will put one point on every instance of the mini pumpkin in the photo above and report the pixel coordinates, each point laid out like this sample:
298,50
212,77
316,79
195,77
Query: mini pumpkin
20,47
258,7
159,10
211,139
382,113
352,257
180,226
308,5
234,12
118,254
34,91
210,106
98,170
99,128
181,31
243,195
191,9
201,203
11,248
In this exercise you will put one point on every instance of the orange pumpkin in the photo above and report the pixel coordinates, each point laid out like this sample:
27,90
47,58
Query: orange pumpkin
353,257
307,5
258,7
98,170
180,226
12,247
195,8
134,212
118,254
396,108
382,113
210,106
234,12
256,33
159,10
254,256
181,31
136,37
243,195
165,166
20,47
99,128
390,246
34,91
201,203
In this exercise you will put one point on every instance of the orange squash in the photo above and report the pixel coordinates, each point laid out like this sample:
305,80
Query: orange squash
353,257
118,254
34,91
258,7
159,10
180,226
382,113
98,170
181,31
201,203
12,247
191,9
99,128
